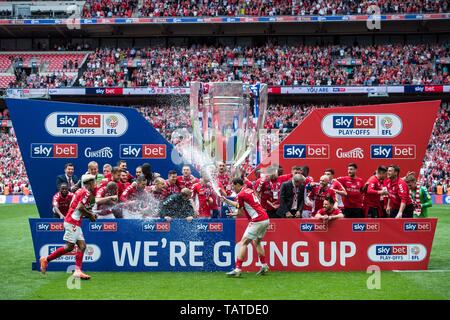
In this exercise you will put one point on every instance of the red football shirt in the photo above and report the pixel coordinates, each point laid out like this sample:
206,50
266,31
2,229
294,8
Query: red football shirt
353,186
253,210
172,188
183,182
372,198
62,203
74,216
131,193
319,194
332,212
398,193
225,180
104,208
203,193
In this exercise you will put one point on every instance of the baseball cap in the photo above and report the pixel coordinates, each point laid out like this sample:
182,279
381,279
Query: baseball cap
87,177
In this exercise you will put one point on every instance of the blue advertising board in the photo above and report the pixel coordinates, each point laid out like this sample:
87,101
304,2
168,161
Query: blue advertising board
51,134
142,245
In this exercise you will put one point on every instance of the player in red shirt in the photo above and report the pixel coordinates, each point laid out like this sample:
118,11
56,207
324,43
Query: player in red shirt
374,190
399,204
319,193
79,207
248,204
224,178
171,183
135,191
61,201
337,187
203,194
286,177
115,177
158,189
353,202
268,187
187,180
329,211
106,199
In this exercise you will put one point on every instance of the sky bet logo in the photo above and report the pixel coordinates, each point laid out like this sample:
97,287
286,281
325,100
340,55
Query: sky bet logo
313,227
143,151
78,121
103,226
354,122
417,226
210,227
391,250
394,151
366,227
156,226
50,226
306,151
54,150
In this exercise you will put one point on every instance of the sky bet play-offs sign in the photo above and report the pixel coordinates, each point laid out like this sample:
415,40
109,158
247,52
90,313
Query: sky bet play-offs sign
362,125
51,134
212,244
81,124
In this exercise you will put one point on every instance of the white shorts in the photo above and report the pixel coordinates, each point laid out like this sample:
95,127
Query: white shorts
256,230
73,233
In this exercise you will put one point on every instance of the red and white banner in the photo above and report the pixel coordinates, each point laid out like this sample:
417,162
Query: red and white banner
343,245
370,136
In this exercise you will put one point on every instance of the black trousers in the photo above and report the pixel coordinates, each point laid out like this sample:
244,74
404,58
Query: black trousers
407,213
353,213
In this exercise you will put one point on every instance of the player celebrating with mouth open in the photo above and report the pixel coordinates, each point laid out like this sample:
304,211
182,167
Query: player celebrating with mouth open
79,207
248,204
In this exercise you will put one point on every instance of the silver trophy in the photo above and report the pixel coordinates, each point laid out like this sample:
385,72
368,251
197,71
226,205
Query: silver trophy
226,119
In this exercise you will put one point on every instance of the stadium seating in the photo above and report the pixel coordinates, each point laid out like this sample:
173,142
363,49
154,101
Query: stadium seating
59,67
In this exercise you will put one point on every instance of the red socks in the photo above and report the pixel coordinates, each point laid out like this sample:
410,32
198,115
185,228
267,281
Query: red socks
56,254
262,259
79,259
239,263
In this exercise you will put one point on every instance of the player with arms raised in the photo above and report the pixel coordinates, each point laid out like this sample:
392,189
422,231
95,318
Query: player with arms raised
248,204
79,207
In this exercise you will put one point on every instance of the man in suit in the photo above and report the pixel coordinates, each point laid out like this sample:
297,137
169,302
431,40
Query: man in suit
68,177
292,197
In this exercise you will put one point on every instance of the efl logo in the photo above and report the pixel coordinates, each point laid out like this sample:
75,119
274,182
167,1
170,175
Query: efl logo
306,151
313,227
156,226
366,227
143,151
78,121
394,151
417,226
391,250
354,122
210,227
54,150
50,226
103,226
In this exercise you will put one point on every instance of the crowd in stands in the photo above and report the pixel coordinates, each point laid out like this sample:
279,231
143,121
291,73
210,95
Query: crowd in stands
436,165
302,65
284,117
13,177
214,8
204,8
109,8
271,64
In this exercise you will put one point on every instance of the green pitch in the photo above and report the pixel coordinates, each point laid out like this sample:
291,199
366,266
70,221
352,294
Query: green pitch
19,282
